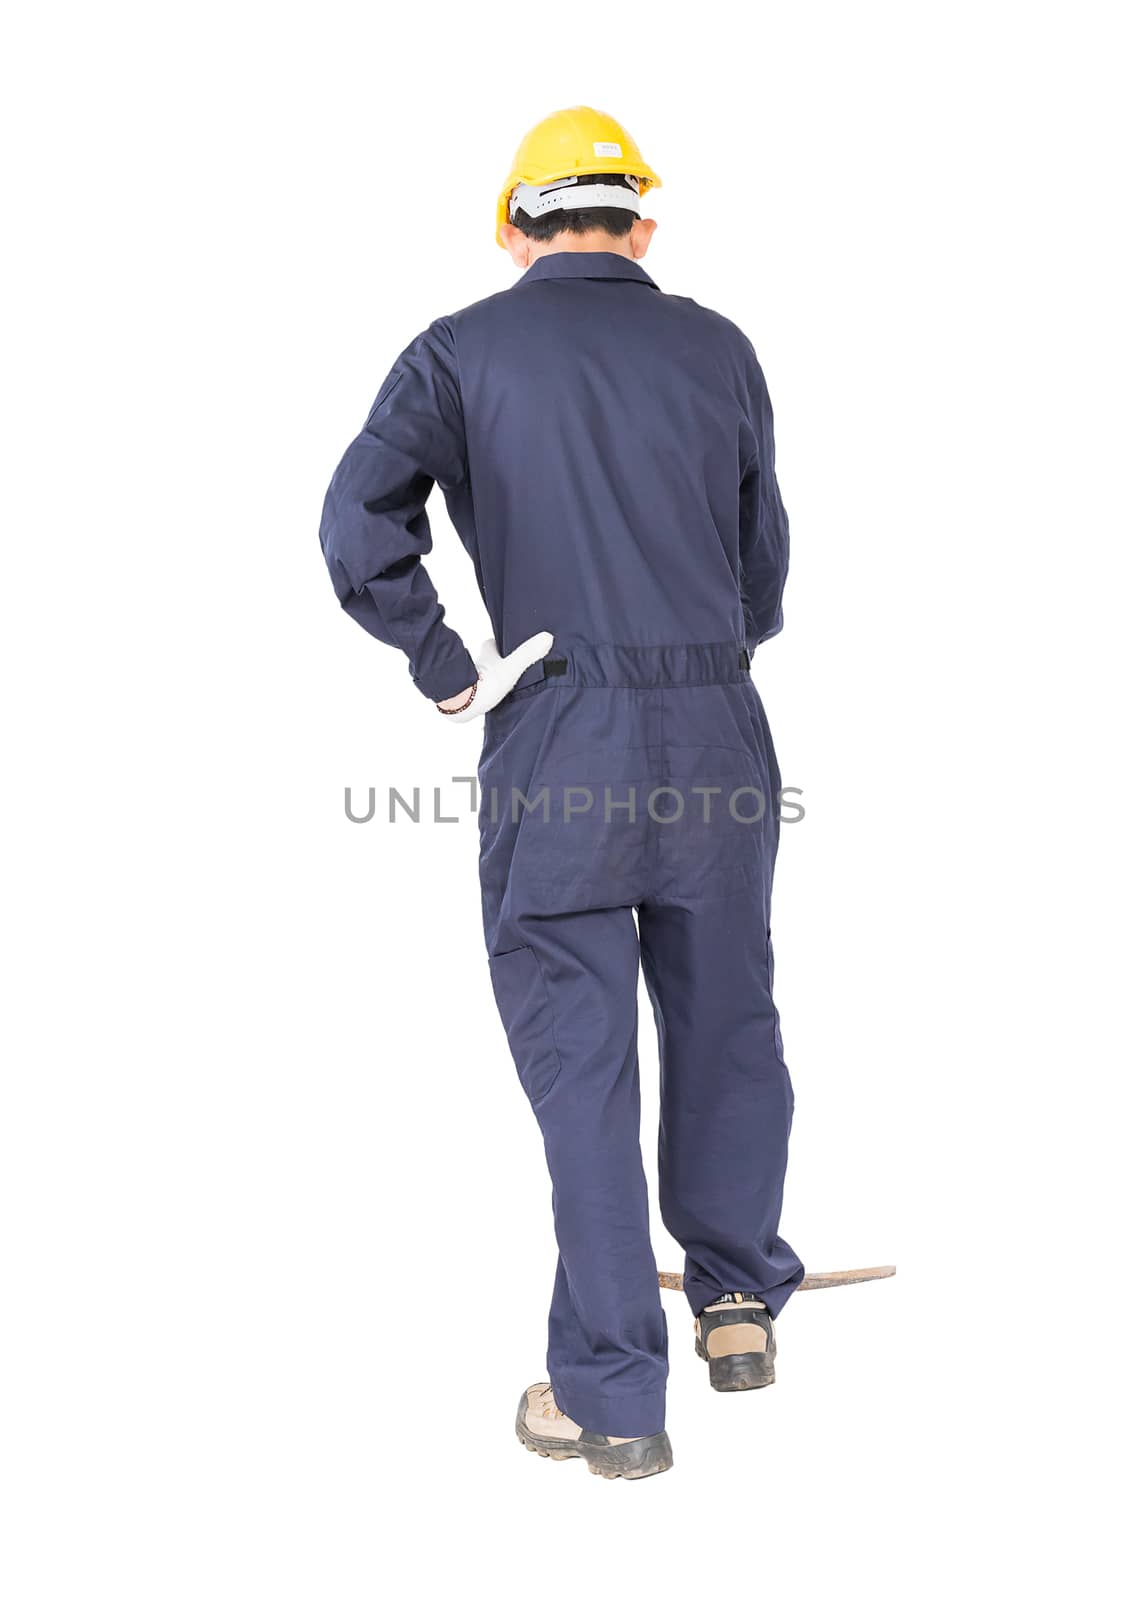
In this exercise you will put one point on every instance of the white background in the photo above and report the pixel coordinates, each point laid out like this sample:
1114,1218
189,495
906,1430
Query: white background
276,1235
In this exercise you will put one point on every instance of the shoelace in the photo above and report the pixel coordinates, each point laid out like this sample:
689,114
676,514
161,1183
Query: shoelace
547,1406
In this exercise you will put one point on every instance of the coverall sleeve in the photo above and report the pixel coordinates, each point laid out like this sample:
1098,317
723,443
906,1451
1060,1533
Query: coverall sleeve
374,528
764,521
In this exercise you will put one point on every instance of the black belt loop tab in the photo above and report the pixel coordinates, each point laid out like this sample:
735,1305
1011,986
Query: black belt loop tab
554,667
743,661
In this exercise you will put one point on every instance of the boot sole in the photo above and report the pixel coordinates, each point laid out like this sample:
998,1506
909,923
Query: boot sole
752,1369
641,1458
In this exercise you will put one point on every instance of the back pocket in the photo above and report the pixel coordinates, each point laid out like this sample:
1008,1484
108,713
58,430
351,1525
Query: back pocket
524,1006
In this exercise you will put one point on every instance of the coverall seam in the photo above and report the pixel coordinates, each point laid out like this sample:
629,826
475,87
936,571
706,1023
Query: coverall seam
637,1394
664,644
632,749
661,778
637,688
633,688
465,479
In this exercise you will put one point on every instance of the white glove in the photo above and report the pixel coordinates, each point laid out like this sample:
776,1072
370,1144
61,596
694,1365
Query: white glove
498,674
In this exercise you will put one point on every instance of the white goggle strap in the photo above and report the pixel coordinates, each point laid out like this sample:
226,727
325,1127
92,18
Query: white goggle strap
568,194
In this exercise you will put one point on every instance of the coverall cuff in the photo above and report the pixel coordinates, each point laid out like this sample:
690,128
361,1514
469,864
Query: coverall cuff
631,1416
449,677
701,1293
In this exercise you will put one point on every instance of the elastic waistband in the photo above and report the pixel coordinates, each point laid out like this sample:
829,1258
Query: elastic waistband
625,666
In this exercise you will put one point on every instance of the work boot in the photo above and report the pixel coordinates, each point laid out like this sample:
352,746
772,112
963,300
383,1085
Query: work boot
542,1427
735,1336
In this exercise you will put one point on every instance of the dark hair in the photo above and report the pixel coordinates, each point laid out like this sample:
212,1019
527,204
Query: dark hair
615,220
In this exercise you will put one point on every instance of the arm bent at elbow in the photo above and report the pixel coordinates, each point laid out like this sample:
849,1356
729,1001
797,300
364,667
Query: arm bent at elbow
374,527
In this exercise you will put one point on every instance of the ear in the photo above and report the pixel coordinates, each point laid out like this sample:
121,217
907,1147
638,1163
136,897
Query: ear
516,243
640,235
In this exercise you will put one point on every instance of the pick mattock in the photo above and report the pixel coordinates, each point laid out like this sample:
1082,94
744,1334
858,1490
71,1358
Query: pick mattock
812,1280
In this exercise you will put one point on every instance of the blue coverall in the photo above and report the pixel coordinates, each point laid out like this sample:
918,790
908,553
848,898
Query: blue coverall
606,454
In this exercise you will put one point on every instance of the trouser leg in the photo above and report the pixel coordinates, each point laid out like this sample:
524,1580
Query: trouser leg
726,1098
568,999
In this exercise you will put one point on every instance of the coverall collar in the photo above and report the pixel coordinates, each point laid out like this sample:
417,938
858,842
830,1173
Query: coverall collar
585,264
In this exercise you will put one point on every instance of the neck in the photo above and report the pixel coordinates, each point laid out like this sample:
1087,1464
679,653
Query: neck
581,243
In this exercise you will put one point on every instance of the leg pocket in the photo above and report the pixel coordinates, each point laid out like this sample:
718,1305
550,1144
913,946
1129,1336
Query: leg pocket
777,1040
525,1008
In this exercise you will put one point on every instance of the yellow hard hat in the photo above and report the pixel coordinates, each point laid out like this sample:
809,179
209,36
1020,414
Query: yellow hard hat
571,142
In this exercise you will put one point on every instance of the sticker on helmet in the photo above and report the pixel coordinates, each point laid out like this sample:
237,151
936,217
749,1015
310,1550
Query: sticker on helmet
604,147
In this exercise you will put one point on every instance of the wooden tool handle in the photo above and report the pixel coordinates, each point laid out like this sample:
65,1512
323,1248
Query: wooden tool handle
812,1280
